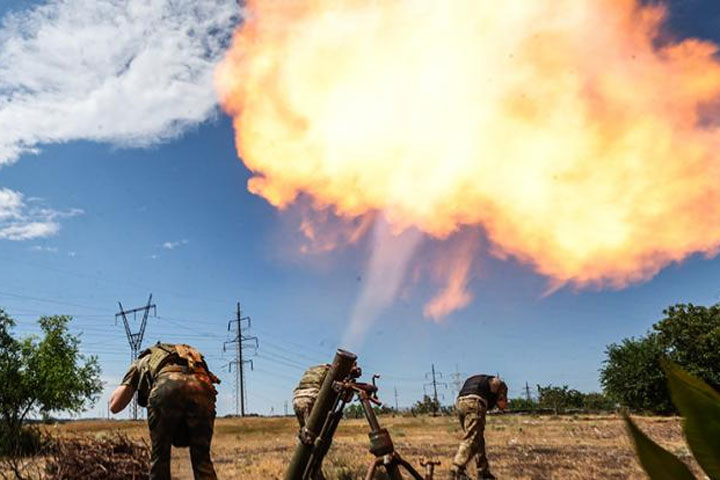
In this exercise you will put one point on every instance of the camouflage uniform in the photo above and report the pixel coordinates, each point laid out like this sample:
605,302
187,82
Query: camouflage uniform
307,391
471,410
175,385
479,394
304,397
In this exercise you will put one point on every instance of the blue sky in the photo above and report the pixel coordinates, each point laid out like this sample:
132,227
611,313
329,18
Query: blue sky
162,207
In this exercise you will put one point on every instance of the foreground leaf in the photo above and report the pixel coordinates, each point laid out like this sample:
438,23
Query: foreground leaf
700,405
657,462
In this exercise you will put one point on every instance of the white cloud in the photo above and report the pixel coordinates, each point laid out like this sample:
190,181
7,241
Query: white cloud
40,248
174,245
127,72
22,220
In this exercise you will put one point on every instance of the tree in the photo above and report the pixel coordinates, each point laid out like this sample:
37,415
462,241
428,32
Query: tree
594,401
42,375
426,405
559,398
522,404
689,335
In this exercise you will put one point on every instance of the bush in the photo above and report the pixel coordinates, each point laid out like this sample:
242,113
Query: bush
522,404
29,441
559,399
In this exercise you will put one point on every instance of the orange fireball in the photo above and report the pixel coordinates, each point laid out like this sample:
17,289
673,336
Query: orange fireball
580,141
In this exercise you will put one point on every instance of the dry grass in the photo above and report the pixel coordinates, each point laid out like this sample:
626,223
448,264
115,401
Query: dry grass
519,447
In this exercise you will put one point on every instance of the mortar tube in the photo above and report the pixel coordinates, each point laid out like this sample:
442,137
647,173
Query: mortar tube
339,370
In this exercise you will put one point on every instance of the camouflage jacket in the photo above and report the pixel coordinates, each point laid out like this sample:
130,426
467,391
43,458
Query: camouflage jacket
311,381
152,361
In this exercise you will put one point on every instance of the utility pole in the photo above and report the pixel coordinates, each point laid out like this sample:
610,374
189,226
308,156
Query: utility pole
286,408
135,339
241,342
527,392
397,409
433,374
457,380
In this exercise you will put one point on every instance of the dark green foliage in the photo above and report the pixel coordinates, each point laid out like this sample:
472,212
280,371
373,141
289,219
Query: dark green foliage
426,405
631,375
559,399
522,404
700,405
42,375
355,410
689,335
598,402
568,400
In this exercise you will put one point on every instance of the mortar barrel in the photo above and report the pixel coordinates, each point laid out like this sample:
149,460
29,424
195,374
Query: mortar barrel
341,367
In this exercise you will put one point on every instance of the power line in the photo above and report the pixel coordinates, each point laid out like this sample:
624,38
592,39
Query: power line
434,384
457,380
135,339
240,341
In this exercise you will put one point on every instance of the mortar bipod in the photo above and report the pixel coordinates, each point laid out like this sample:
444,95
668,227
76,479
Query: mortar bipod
381,444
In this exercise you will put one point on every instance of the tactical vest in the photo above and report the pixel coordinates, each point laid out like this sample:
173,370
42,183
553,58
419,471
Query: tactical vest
164,354
480,385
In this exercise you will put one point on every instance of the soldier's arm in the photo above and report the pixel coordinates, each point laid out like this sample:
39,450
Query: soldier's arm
124,393
120,398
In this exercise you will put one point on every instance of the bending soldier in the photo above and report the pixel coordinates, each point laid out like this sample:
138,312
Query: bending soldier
176,386
307,391
304,397
479,394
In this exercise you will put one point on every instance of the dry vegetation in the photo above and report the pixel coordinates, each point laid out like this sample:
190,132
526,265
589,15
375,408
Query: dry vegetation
519,447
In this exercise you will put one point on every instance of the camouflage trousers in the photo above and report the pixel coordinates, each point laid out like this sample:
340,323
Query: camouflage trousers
181,413
471,411
303,407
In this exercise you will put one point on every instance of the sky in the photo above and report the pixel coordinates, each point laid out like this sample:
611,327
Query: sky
119,178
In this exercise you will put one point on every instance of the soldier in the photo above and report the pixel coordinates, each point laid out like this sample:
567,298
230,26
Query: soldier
479,394
307,391
176,386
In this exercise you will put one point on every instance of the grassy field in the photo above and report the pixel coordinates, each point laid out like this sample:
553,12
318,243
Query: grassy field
519,447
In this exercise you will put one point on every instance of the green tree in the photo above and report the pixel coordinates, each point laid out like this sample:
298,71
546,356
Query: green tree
426,405
559,398
632,376
689,335
524,404
597,401
42,375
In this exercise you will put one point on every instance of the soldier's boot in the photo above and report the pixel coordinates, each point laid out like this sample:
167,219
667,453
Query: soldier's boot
485,475
459,473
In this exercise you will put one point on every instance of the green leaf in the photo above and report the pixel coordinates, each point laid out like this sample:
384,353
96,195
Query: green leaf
657,462
700,405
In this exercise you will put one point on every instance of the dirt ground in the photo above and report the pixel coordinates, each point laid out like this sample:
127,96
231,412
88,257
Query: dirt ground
519,447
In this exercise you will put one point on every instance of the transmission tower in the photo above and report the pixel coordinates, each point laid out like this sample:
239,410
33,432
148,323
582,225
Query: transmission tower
528,397
135,339
241,343
434,375
457,380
